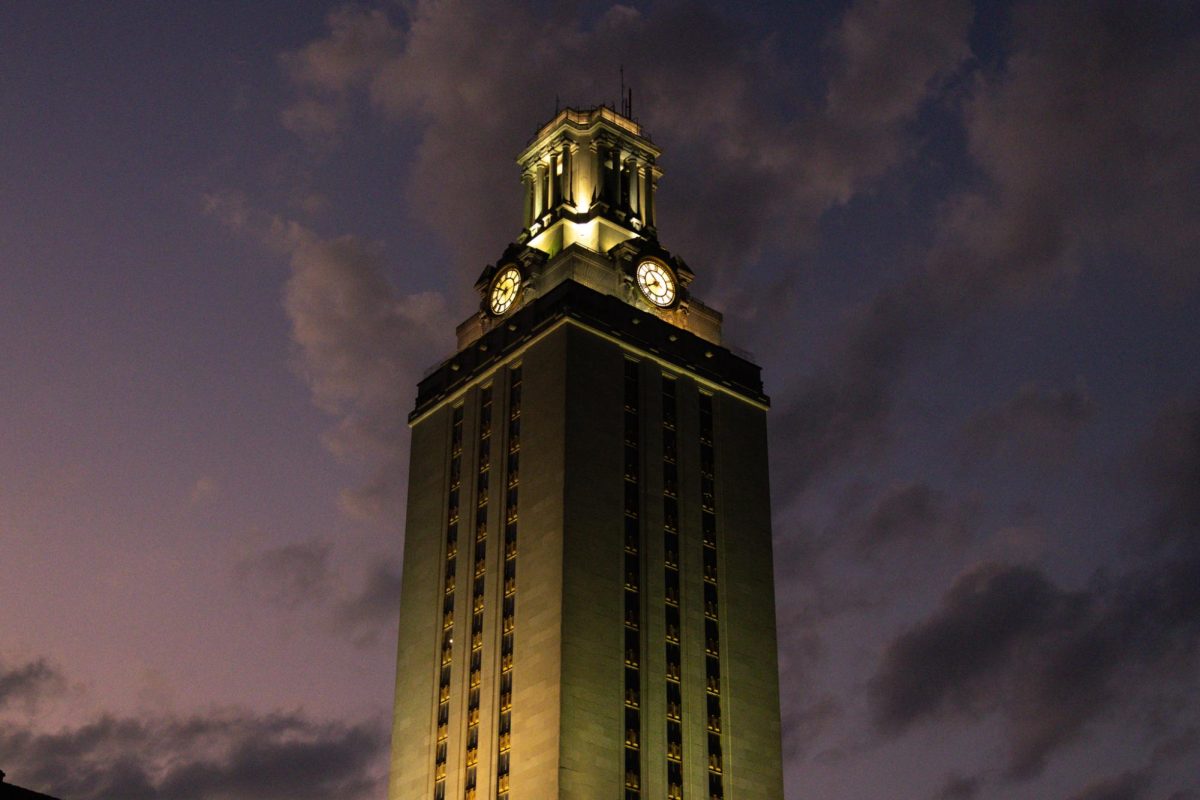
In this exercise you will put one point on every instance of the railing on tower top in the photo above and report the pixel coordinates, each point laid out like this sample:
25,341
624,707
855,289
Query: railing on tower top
583,116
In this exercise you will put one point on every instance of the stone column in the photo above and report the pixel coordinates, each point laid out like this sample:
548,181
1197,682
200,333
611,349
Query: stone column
612,179
627,194
591,173
527,178
651,184
638,195
568,176
541,201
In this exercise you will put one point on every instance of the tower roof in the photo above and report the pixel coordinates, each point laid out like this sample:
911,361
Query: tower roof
586,119
590,177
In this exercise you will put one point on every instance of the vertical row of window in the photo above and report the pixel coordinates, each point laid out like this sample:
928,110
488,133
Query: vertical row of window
479,560
671,591
508,618
447,638
712,637
633,582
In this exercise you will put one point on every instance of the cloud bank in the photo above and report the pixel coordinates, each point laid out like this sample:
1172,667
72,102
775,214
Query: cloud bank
222,754
1006,639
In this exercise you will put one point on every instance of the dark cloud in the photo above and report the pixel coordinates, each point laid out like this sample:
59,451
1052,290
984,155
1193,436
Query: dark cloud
302,577
959,788
1085,137
804,723
1035,424
28,683
472,75
373,609
842,408
230,755
1127,786
1169,464
902,518
780,159
1081,139
913,513
952,658
291,575
1007,639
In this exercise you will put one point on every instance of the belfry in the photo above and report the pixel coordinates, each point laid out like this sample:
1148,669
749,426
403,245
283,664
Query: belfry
587,608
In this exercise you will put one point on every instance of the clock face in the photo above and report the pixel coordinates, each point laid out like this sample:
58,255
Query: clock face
656,282
504,290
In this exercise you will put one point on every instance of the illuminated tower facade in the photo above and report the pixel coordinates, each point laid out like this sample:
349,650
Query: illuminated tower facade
588,607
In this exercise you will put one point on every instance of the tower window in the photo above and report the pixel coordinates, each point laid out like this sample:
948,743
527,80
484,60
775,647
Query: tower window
632,569
509,602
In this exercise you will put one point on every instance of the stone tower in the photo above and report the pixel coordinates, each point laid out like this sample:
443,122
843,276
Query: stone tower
588,604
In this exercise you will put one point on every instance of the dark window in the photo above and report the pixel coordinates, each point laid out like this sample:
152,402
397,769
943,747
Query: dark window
632,681
632,719
631,534
632,611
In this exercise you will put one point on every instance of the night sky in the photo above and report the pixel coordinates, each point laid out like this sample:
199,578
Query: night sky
962,239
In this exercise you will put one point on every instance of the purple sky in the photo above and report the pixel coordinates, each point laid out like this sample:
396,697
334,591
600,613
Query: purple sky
962,240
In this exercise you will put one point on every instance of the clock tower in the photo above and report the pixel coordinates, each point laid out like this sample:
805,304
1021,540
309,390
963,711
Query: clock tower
587,608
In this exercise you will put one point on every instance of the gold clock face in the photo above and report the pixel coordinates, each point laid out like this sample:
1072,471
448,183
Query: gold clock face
504,290
656,282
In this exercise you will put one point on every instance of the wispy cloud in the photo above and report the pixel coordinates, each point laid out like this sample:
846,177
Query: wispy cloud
360,347
304,578
290,575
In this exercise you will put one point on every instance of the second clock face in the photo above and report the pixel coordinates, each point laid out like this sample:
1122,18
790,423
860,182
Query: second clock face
504,290
656,282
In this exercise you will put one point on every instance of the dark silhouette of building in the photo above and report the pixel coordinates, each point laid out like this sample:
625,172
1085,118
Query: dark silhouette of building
10,792
588,602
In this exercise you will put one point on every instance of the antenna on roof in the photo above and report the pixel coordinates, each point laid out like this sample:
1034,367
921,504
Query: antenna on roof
556,104
626,97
